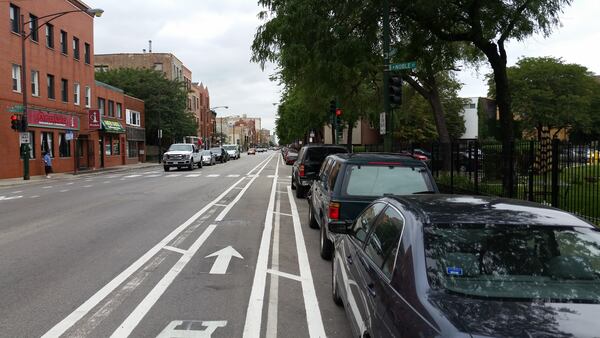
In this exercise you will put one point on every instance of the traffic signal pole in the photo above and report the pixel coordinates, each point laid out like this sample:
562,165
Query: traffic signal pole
387,141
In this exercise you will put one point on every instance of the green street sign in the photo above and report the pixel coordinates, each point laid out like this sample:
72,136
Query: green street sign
16,109
403,65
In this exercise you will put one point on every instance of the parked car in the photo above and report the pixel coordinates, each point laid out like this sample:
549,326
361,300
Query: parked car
182,155
222,155
208,157
291,156
309,162
466,266
233,150
347,183
251,151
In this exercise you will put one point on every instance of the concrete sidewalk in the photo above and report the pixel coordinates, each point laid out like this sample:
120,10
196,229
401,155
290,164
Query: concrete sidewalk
8,182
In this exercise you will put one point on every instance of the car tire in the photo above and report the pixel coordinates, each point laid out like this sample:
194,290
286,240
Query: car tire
293,185
325,245
299,191
200,165
312,221
166,168
335,292
191,166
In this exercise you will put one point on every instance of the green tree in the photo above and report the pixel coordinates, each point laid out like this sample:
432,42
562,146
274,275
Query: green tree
487,25
163,98
550,95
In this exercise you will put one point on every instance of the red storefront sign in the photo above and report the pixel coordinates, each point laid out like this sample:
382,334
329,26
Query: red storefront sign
39,118
94,119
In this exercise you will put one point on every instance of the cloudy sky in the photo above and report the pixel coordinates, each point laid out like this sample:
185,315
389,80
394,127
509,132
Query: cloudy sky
213,38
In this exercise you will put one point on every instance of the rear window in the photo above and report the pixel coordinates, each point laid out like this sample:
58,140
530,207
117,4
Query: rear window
560,264
377,180
319,154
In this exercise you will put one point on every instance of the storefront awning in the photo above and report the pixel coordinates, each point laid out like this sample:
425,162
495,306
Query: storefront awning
109,126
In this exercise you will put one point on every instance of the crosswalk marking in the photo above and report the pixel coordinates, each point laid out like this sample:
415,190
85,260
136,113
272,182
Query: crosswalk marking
233,175
213,175
192,175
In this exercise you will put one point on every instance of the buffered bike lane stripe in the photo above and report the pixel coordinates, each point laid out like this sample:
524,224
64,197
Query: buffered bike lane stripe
105,291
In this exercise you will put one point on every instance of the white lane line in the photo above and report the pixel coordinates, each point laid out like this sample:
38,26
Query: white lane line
153,175
274,285
271,176
192,175
48,187
213,175
311,304
88,186
135,317
173,175
35,196
282,213
16,192
101,294
113,176
174,249
150,172
131,176
70,183
284,275
239,196
257,294
220,205
233,175
64,190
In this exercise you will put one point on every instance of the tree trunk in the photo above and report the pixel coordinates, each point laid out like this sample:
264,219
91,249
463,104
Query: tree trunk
349,135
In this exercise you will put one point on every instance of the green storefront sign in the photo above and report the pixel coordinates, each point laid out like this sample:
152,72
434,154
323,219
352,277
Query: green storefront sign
112,127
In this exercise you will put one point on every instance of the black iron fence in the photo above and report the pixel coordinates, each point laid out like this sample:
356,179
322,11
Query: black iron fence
560,174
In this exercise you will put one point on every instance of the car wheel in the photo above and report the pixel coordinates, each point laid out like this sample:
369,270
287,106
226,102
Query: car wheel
335,292
299,191
325,244
293,185
200,165
166,168
312,221
191,166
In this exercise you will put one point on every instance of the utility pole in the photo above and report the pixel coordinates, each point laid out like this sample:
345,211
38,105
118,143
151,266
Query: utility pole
387,141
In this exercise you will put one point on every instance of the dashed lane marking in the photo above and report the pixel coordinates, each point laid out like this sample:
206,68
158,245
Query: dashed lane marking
154,175
213,175
70,183
64,190
88,186
131,176
48,187
192,175
173,175
233,175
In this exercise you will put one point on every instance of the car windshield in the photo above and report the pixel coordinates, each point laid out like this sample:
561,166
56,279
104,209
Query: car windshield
560,264
318,154
230,147
215,150
206,152
180,147
377,180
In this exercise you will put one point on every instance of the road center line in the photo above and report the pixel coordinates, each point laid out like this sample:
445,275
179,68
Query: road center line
311,304
101,294
257,294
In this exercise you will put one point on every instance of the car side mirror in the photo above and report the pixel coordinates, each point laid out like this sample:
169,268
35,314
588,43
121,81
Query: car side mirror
340,227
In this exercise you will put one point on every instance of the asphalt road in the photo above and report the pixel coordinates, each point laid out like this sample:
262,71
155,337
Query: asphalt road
222,251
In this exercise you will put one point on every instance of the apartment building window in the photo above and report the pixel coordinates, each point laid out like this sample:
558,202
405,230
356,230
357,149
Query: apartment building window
88,96
64,146
111,108
63,42
76,48
50,85
31,145
33,27
86,51
76,93
64,90
119,110
15,14
46,143
35,83
101,104
16,78
133,117
49,35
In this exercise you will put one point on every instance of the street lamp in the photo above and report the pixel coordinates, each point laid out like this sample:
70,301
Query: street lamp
97,12
221,131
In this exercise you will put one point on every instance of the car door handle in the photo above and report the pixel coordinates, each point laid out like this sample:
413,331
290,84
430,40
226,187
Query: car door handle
349,259
371,289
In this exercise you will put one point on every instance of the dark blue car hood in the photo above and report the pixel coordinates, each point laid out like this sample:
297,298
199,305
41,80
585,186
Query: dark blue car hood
494,318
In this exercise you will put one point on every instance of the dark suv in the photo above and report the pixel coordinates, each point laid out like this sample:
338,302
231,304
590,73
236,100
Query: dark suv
347,183
309,162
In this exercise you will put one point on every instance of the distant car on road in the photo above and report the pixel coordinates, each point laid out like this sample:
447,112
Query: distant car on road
467,266
208,157
347,183
291,156
233,150
251,151
182,155
309,162
222,155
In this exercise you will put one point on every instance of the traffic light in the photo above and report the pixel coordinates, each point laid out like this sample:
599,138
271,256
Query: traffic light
338,112
395,89
15,122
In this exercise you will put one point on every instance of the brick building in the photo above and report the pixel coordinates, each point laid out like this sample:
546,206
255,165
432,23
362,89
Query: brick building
61,90
201,109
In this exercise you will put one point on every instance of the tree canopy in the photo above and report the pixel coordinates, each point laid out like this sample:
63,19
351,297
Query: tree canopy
162,98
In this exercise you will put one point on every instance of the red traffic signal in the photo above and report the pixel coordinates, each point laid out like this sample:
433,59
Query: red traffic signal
338,112
14,122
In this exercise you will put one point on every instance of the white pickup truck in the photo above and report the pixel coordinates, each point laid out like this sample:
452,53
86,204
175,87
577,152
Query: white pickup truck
182,155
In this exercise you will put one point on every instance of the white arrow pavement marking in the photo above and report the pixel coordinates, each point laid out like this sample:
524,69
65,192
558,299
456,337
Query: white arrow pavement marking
4,198
223,258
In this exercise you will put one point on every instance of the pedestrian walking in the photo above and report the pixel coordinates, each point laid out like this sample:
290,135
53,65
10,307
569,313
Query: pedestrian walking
47,164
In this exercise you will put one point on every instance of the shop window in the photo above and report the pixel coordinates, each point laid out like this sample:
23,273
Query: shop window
31,145
35,83
49,35
15,14
64,145
50,83
33,27
46,143
16,78
132,149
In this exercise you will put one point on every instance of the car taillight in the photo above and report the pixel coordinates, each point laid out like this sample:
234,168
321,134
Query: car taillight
334,211
301,170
